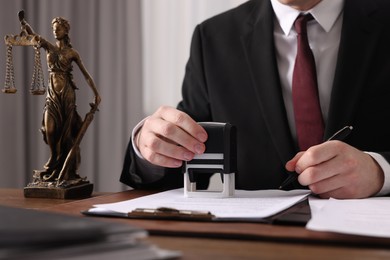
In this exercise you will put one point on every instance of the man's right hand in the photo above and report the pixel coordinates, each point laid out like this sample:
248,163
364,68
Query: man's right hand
169,137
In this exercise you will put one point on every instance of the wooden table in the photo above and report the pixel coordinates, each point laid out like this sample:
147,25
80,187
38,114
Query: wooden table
205,240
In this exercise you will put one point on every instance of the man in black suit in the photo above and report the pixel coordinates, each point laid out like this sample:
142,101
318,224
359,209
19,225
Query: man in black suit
240,70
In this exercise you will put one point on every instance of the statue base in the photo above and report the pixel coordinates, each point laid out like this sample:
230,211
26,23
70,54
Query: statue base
51,188
73,192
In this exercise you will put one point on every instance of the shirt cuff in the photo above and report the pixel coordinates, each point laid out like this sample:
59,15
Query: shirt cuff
133,141
386,170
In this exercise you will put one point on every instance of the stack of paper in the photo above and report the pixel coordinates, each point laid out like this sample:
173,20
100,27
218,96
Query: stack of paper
245,205
32,234
366,217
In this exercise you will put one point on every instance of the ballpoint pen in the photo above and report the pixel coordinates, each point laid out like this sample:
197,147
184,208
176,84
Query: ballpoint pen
339,135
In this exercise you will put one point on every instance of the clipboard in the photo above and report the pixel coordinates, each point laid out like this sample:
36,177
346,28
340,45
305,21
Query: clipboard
297,215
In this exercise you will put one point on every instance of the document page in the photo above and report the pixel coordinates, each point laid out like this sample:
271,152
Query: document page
367,217
244,204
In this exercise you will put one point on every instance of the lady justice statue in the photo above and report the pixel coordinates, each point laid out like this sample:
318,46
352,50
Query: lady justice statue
62,126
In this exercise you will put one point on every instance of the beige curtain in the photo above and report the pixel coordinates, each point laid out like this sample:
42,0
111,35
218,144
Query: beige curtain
107,34
167,29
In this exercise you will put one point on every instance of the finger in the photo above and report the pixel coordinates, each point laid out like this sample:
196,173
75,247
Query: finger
318,154
328,186
171,133
179,128
159,145
323,161
163,153
184,121
291,164
160,159
322,171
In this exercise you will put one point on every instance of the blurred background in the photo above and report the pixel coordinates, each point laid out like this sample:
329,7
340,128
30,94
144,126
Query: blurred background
135,50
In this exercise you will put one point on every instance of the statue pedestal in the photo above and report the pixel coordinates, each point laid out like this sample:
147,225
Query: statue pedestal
74,192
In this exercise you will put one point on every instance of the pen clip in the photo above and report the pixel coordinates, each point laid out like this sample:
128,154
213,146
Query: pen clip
339,134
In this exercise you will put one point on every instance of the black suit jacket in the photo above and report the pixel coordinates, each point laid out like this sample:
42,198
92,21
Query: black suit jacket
232,76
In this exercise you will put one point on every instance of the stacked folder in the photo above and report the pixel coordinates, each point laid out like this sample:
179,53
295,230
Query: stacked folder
33,234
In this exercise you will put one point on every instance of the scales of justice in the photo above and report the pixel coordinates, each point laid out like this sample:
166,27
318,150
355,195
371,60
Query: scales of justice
62,127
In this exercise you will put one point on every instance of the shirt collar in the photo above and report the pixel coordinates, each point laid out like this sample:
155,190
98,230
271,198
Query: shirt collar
325,13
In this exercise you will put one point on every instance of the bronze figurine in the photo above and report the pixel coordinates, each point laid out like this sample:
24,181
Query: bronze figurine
62,126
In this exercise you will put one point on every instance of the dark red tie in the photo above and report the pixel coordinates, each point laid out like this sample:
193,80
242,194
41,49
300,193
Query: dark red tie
307,110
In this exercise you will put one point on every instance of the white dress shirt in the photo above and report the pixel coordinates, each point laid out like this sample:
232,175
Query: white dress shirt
324,39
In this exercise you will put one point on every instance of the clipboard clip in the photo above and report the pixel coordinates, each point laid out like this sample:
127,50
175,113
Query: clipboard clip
171,214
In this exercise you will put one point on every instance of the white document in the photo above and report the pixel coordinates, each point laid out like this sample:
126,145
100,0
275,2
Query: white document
367,217
245,204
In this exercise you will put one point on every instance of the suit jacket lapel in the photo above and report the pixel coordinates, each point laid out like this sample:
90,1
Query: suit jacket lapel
259,47
358,38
